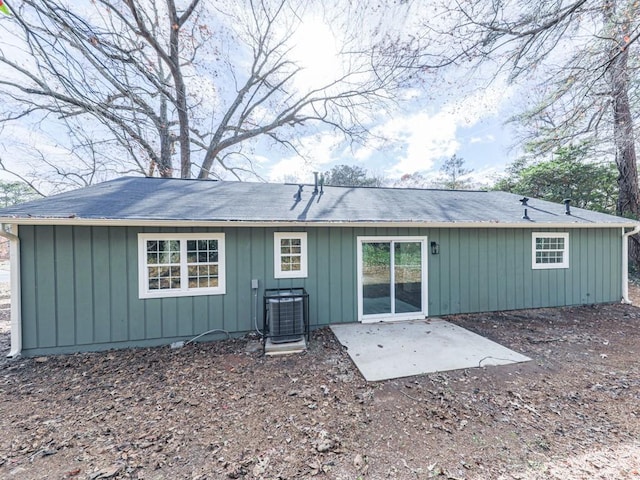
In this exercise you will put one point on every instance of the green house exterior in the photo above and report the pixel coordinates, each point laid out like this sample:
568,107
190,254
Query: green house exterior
79,277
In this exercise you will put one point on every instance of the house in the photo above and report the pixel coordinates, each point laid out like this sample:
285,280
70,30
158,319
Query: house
149,261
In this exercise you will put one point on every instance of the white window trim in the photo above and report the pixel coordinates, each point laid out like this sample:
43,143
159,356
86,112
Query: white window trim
548,266
277,263
185,291
425,275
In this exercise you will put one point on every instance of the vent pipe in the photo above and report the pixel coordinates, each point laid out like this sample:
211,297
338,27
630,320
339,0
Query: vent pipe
526,214
298,194
567,206
315,183
524,201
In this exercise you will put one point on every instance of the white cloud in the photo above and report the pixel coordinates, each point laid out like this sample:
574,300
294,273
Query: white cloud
319,150
416,141
488,138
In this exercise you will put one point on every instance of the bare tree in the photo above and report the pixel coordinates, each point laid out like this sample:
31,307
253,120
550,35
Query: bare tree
164,87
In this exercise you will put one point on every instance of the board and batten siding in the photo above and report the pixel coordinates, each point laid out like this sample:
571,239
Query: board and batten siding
80,284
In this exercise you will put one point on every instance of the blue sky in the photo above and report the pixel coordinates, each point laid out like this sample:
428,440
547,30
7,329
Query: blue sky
420,136
456,113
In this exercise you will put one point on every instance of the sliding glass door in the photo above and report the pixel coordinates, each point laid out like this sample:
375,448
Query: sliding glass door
392,273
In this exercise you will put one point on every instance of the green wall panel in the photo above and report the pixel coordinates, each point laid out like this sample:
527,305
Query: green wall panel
118,284
80,284
82,281
45,275
100,257
28,291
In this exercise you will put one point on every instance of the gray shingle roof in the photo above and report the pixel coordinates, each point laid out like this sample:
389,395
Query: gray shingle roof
134,200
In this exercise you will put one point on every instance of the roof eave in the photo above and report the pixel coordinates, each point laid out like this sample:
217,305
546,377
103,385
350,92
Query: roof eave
132,222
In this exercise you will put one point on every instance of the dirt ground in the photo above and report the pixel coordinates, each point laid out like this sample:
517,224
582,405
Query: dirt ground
222,410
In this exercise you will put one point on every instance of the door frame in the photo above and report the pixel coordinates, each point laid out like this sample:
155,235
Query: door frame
390,317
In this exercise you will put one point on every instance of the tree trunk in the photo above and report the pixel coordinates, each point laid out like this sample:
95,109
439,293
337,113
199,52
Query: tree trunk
628,203
624,138
181,91
164,167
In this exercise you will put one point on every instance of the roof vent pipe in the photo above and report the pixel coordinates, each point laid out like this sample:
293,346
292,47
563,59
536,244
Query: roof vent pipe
526,214
315,182
298,194
524,201
567,206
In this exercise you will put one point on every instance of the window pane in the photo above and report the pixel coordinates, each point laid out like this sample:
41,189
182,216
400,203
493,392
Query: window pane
285,250
166,267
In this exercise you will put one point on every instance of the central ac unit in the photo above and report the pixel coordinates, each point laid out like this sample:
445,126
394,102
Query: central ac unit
286,319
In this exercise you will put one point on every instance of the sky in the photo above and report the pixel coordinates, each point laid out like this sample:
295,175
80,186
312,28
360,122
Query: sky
422,137
426,127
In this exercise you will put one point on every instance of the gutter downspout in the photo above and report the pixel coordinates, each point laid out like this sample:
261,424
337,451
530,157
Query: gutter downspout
16,304
625,262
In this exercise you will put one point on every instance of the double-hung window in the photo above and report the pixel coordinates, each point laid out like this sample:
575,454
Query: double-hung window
175,265
550,250
290,254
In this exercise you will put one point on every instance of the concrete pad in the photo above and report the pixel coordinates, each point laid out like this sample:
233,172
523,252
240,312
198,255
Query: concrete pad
401,349
272,349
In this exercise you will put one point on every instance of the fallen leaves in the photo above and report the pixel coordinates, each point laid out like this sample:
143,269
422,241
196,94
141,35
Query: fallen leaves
222,410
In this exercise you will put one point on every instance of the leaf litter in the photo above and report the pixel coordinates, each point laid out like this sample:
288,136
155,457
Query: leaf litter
223,410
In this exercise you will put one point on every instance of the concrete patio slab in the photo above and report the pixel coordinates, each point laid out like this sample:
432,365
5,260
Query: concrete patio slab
393,350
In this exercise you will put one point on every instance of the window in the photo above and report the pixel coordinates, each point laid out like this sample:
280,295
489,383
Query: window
550,250
290,255
174,265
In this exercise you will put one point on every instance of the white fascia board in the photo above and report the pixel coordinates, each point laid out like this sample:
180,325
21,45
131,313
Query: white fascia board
100,222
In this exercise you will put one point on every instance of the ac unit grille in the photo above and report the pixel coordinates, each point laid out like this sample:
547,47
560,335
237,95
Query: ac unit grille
286,319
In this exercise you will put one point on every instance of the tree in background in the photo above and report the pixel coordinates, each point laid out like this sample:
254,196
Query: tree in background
183,88
351,176
413,180
567,175
16,192
454,174
579,63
